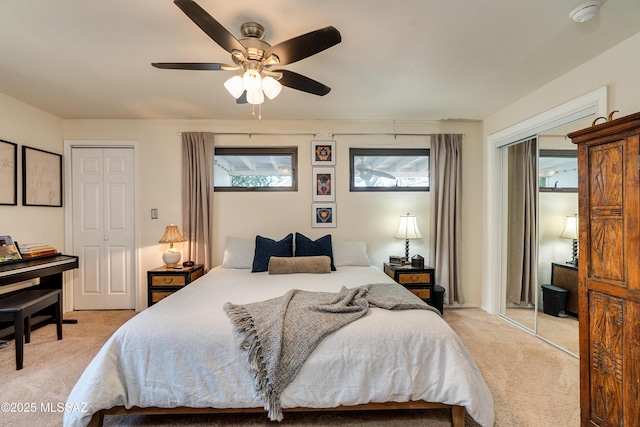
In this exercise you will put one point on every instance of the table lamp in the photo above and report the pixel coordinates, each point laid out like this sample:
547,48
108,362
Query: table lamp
408,230
171,256
571,232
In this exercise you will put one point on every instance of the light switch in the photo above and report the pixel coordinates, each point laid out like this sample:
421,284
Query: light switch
154,213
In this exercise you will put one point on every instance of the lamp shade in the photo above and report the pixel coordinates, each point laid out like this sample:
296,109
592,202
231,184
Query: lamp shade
252,81
571,228
172,235
234,86
255,97
408,228
271,87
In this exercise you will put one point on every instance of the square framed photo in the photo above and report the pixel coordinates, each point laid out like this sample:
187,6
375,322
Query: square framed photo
323,215
324,189
41,178
8,173
323,153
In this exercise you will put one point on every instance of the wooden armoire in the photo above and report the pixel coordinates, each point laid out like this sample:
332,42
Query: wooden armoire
609,271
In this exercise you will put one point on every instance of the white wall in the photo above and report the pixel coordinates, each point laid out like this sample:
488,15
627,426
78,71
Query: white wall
616,68
371,217
25,125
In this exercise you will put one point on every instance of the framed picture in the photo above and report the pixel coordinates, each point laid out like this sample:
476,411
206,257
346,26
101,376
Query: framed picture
323,153
8,173
41,178
323,215
8,250
324,185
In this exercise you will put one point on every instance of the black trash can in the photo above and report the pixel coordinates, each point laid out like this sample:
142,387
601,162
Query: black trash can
438,298
554,300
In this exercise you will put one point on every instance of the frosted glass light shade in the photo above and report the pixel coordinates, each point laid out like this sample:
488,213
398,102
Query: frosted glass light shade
271,87
234,86
252,81
255,97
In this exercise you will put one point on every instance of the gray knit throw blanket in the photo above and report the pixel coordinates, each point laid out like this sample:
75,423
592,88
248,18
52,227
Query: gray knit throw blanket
280,333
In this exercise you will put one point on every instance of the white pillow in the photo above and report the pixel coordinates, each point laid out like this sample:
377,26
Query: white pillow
350,253
238,253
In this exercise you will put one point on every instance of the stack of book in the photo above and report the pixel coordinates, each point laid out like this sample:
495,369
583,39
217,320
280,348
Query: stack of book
30,250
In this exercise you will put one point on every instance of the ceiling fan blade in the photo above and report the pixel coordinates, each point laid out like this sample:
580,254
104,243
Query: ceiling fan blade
303,46
382,174
210,66
242,99
302,83
210,26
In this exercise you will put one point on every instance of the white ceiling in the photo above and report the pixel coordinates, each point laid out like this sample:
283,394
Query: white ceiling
398,60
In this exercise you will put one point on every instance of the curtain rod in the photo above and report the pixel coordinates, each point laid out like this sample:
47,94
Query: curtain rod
249,134
394,134
331,135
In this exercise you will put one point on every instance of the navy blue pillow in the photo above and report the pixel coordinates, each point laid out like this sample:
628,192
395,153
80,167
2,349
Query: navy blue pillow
307,247
266,248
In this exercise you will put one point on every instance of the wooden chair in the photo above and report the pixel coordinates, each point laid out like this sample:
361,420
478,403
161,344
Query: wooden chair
18,309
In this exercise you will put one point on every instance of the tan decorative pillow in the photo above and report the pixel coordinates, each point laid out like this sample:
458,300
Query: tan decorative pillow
300,264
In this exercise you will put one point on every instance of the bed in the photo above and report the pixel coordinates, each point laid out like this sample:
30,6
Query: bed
182,356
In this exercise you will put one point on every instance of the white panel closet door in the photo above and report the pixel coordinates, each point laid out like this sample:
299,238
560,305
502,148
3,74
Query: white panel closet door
103,227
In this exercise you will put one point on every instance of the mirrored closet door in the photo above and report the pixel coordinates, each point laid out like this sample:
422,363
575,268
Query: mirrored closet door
540,207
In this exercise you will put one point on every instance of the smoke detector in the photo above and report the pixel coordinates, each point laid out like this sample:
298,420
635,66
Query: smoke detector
585,11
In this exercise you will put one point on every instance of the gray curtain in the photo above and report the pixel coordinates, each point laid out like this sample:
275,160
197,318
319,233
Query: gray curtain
197,196
522,234
446,203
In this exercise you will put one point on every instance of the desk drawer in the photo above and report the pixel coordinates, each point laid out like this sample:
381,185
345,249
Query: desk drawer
160,280
408,278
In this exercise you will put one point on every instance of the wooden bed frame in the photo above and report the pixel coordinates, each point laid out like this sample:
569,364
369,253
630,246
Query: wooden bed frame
457,412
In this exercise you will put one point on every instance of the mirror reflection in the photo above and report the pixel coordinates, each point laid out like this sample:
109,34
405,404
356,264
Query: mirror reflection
541,201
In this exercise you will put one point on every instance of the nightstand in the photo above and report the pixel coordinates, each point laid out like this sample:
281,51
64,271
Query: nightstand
162,281
420,281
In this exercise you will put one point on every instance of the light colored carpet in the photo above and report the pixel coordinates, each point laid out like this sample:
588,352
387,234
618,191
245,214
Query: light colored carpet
562,331
533,383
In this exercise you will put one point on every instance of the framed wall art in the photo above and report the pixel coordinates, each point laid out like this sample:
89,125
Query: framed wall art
41,178
323,215
323,153
8,173
324,185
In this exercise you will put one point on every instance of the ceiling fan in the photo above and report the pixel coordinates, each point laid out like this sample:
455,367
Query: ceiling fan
370,175
255,58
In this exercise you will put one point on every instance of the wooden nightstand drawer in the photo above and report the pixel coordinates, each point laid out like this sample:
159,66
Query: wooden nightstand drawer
159,296
161,280
418,280
422,293
408,278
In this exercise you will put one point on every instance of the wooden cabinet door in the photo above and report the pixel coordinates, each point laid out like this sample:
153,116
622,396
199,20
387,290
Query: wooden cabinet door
609,291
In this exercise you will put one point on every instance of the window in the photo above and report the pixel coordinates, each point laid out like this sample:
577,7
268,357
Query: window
389,169
255,169
558,170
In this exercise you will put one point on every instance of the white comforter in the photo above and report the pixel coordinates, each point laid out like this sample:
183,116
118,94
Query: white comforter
183,352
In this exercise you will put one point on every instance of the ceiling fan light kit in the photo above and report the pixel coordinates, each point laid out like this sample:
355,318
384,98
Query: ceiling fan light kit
585,11
255,57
